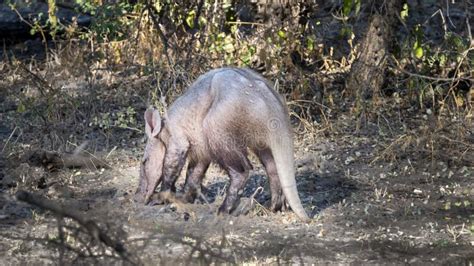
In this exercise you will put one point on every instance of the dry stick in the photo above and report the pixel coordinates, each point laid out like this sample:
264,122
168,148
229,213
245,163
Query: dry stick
447,14
40,81
41,84
253,201
440,12
311,102
139,28
386,150
203,197
467,22
432,78
456,72
32,26
9,138
195,24
151,10
92,227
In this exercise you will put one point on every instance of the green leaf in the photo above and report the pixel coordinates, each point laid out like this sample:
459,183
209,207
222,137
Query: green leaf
52,13
417,49
246,58
202,21
442,60
347,7
404,12
21,108
357,6
457,43
190,18
282,34
418,52
310,44
346,31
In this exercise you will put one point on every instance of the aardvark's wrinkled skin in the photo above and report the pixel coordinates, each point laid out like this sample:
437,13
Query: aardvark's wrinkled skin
223,114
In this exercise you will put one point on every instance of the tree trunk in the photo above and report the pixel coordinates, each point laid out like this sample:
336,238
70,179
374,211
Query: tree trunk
368,72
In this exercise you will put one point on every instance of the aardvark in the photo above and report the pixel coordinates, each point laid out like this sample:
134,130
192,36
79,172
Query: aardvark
225,113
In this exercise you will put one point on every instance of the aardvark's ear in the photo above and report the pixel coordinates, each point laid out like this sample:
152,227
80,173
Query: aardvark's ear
152,122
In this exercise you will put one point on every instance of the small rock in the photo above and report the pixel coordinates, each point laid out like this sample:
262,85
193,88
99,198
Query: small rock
349,160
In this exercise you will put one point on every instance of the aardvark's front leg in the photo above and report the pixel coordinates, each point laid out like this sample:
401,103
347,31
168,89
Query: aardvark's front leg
174,161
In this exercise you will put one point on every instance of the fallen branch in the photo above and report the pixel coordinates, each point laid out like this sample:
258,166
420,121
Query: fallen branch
54,160
92,228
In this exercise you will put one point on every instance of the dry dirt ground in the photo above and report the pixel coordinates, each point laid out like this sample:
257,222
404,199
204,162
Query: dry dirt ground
370,200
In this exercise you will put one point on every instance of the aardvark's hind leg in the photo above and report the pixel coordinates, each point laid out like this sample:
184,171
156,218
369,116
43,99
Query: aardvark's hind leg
238,170
194,175
278,199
